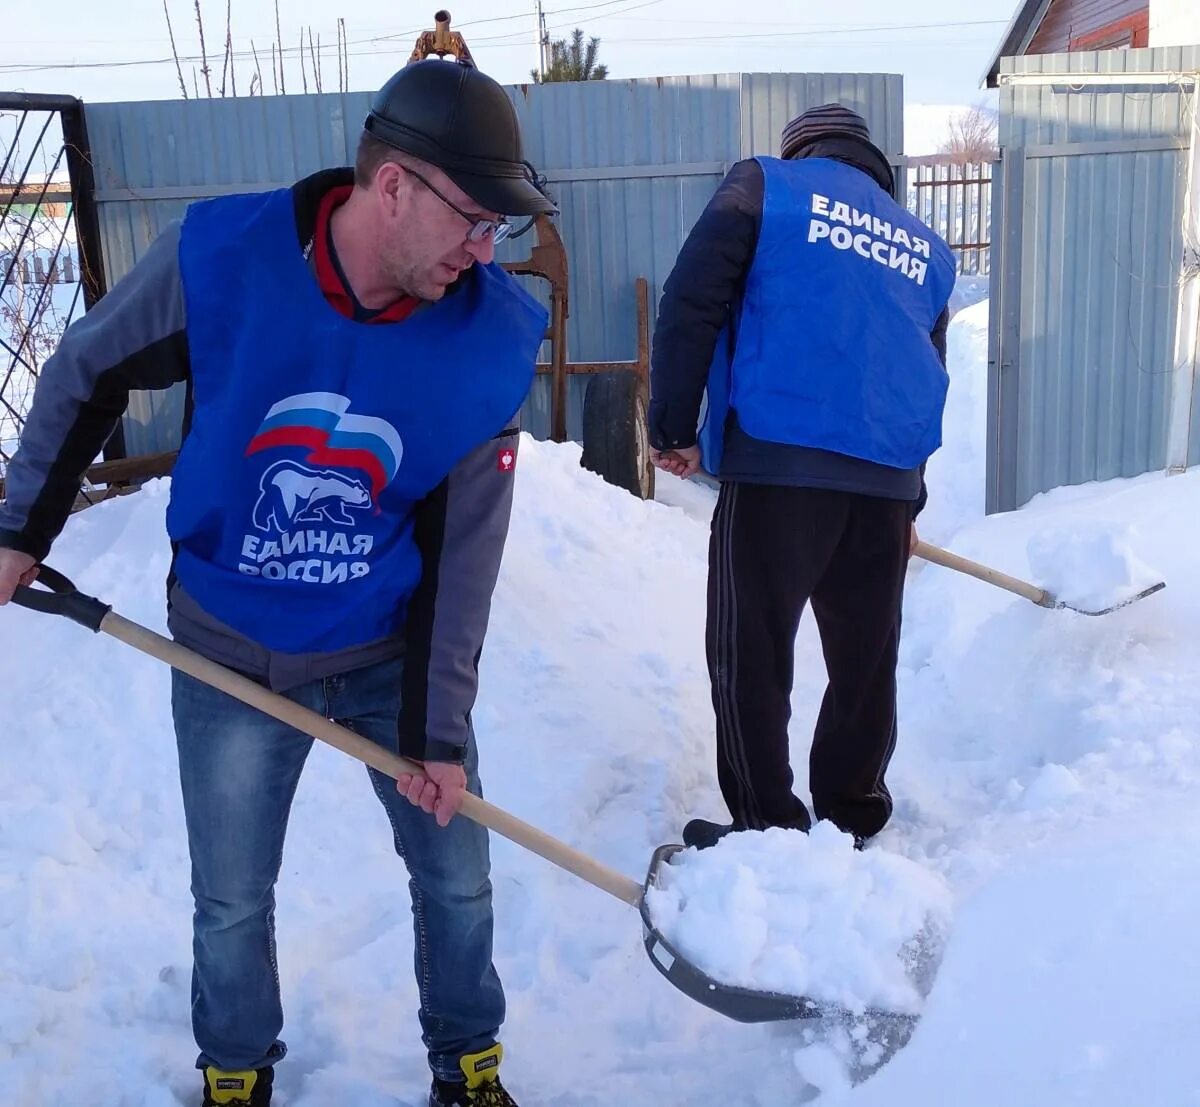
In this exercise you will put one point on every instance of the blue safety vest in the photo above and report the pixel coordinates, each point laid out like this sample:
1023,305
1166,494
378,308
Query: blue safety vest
830,348
313,436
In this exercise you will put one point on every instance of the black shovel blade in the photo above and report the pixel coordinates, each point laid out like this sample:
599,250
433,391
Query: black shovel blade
740,1004
890,1029
1117,606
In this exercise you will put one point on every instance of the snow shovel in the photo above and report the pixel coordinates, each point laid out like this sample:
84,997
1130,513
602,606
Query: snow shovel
60,597
1029,591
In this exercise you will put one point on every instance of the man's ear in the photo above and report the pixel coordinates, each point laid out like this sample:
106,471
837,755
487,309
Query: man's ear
388,181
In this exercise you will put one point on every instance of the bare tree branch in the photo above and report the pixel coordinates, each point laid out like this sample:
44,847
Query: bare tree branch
174,52
303,72
317,61
972,137
203,52
279,39
232,63
343,58
257,71
226,64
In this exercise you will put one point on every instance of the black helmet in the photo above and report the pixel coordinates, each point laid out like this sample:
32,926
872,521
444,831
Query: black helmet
459,119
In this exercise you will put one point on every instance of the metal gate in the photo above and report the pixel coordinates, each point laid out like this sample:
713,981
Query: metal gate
1096,272
50,269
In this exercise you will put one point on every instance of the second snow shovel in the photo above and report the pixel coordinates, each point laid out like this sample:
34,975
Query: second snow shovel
1031,592
742,1004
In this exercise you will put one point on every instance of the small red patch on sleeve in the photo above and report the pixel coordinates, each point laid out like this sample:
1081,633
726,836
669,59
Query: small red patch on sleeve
506,459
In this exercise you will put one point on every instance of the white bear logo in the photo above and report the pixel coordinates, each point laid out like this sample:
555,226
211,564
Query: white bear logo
292,493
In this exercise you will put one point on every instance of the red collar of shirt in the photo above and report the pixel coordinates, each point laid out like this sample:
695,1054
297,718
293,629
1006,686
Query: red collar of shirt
330,279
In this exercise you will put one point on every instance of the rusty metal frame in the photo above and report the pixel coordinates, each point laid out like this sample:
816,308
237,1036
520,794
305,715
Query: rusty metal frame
548,260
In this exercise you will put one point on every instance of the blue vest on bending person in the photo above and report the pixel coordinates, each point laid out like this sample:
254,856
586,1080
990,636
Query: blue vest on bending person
313,437
830,345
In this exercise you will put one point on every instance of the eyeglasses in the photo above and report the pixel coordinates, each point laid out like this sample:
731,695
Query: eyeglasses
481,229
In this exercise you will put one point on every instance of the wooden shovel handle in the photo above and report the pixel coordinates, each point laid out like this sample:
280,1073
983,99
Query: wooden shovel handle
950,560
317,726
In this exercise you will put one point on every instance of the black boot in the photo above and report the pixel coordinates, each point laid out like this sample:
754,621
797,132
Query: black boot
702,834
481,1086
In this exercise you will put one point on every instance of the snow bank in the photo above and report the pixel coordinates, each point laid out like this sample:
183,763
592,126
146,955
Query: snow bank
955,475
1091,565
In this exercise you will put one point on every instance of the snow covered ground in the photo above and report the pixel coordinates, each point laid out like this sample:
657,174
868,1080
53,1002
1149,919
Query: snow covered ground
1048,772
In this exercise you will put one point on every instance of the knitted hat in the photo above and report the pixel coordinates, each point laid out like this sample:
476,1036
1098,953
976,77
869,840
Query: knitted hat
827,121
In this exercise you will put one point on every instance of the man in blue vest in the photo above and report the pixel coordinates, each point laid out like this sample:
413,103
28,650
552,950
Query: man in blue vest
354,364
812,309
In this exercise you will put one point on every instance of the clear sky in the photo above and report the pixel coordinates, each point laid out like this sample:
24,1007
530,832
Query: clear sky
940,46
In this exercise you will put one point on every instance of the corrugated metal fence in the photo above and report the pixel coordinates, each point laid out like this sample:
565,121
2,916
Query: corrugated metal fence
1096,271
632,164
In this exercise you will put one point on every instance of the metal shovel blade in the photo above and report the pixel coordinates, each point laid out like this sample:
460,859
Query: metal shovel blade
740,1004
1114,607
748,1004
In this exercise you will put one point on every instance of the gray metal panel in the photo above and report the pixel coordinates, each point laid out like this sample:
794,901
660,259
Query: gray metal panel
623,224
1003,328
1035,115
631,162
1087,298
770,100
1097,313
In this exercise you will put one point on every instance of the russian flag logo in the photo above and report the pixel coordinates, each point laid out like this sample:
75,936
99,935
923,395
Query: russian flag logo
321,422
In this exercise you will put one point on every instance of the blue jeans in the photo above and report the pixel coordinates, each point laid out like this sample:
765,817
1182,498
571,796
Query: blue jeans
239,769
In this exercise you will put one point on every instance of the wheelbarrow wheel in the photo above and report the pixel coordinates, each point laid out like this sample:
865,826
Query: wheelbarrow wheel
616,441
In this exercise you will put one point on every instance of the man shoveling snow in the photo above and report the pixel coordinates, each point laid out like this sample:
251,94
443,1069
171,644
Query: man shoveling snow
338,513
813,308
